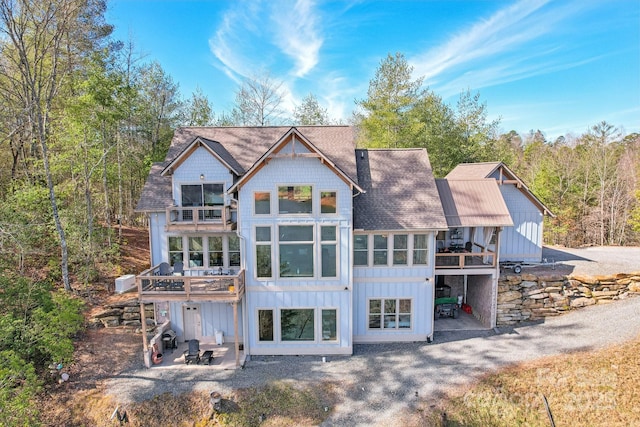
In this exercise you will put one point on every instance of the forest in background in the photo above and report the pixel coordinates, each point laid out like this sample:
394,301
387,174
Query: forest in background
83,117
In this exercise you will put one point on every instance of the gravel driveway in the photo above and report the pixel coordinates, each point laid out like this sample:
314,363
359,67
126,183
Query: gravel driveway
380,381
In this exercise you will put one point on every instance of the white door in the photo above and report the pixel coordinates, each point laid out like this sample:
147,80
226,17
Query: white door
192,323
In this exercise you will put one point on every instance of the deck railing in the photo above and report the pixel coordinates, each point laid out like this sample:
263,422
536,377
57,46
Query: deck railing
462,260
194,284
201,217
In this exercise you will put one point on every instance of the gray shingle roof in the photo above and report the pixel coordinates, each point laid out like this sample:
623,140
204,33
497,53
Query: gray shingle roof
400,191
473,203
486,169
156,193
241,147
247,144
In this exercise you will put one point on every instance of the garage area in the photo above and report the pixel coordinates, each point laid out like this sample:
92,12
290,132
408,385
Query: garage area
476,292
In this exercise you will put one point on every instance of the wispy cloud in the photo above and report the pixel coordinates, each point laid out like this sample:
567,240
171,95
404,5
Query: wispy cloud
265,35
297,34
497,50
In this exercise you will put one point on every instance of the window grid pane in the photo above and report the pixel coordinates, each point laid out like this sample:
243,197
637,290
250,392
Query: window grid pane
327,202
297,324
265,325
295,199
262,203
360,250
329,325
196,256
216,258
379,249
400,249
420,249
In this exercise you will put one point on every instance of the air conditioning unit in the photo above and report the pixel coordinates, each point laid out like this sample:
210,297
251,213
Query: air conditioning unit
125,283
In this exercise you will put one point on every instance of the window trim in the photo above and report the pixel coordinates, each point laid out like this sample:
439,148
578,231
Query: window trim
320,332
314,324
262,215
257,243
397,314
390,249
335,192
312,189
274,331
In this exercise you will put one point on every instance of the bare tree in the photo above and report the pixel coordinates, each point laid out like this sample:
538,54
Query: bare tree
258,102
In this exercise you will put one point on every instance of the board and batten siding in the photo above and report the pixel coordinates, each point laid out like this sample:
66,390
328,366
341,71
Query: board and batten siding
313,292
213,316
283,298
523,241
393,282
158,244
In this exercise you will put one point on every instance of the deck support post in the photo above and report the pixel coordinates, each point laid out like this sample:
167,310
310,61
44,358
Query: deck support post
145,343
235,328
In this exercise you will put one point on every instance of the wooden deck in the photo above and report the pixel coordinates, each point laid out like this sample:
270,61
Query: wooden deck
205,287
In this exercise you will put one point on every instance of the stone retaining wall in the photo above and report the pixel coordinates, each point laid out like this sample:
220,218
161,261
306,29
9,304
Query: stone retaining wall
530,297
126,313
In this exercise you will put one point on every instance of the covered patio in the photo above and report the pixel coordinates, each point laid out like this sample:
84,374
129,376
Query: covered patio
223,357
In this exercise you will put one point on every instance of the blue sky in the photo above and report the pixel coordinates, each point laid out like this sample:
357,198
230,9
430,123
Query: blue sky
557,66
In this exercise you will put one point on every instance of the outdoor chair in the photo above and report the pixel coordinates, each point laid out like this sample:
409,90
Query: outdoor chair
192,355
163,270
178,270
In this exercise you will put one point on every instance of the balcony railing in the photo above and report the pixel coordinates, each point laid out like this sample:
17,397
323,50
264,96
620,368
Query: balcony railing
203,218
462,260
194,285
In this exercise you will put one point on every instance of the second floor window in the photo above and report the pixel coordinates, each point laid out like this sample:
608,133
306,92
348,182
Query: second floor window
296,250
295,199
202,195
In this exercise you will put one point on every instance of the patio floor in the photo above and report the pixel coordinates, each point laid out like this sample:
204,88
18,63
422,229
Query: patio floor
464,322
224,357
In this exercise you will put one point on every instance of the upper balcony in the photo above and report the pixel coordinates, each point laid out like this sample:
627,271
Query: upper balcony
202,218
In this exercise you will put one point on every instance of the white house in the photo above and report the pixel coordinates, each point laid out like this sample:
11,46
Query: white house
289,240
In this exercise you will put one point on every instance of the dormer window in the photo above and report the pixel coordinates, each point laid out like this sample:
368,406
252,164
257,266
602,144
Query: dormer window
202,195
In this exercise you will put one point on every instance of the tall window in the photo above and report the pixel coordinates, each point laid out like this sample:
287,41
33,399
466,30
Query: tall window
328,240
360,249
175,250
265,325
329,325
420,249
327,202
297,324
380,249
262,203
296,250
216,252
390,313
196,254
295,199
263,252
400,249
234,250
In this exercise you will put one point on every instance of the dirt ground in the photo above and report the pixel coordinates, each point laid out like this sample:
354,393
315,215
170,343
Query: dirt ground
99,353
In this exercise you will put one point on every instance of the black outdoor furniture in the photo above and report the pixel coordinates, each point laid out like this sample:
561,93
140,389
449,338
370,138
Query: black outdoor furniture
169,340
192,355
207,357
